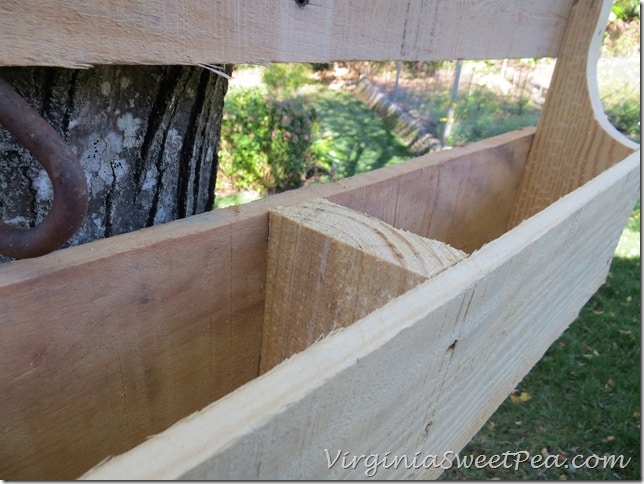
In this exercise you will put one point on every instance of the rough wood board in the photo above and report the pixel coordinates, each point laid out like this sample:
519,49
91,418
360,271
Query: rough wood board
100,356
137,315
574,140
465,204
329,266
403,379
72,33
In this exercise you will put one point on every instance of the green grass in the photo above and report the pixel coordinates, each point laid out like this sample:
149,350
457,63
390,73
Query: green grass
351,140
354,140
585,392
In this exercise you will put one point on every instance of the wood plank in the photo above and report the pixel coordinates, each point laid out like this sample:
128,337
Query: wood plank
465,204
75,33
574,140
98,339
403,379
329,266
94,357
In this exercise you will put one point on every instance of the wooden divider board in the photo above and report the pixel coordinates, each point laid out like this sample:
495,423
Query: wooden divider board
113,341
329,266
421,374
75,33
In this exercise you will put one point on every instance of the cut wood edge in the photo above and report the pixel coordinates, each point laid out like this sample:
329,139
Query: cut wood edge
423,256
190,447
329,266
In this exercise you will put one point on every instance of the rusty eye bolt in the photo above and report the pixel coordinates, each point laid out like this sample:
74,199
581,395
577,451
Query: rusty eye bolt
64,170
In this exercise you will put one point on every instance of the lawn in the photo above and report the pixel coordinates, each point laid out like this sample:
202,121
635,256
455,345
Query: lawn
360,141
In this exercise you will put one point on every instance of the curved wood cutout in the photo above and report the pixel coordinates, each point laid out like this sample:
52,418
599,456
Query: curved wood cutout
574,141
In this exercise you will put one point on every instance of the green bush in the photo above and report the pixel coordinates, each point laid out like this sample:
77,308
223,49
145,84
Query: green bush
281,79
484,114
264,143
625,116
625,10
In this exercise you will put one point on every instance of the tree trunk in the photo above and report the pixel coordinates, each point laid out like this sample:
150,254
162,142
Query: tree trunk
147,138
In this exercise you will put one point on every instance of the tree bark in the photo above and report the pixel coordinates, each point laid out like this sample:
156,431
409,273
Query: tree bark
147,138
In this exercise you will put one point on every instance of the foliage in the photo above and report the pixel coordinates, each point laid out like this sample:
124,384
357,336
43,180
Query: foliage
627,10
264,143
619,88
426,68
352,140
281,79
625,115
483,113
622,36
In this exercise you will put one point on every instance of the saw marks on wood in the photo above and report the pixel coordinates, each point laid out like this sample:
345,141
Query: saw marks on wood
329,266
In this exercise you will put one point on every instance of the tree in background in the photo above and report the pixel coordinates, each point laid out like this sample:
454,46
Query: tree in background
146,136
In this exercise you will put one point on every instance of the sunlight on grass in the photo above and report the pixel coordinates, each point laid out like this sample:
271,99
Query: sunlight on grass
358,140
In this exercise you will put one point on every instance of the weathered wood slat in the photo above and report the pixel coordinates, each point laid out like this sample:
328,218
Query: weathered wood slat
99,340
422,373
574,140
329,266
69,33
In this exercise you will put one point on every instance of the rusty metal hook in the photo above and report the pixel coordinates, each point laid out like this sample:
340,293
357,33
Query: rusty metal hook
64,170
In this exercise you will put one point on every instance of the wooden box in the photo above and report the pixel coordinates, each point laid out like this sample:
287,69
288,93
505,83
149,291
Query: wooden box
146,348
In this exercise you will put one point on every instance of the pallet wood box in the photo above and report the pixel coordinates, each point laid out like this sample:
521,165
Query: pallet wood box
146,355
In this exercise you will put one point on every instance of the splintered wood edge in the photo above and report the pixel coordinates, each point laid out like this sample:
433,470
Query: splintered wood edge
420,255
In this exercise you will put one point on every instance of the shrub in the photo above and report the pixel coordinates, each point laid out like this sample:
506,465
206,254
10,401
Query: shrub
281,79
625,116
264,143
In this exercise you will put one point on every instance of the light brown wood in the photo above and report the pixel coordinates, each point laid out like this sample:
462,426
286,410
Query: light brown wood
74,33
420,374
329,266
465,203
100,340
574,140
101,355
108,343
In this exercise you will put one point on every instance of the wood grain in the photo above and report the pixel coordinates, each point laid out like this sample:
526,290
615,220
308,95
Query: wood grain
107,343
329,266
574,140
421,374
74,33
